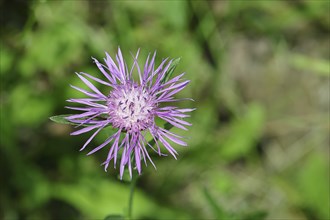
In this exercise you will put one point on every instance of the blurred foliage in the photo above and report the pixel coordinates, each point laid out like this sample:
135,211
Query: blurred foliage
259,144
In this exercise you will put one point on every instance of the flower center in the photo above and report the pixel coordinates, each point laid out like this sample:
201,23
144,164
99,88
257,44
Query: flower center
131,108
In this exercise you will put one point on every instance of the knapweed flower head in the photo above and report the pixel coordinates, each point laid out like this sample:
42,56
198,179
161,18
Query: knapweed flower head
131,107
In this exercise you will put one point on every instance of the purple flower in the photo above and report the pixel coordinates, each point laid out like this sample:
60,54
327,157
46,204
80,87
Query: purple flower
131,108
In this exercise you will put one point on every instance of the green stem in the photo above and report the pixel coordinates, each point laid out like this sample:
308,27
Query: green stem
130,201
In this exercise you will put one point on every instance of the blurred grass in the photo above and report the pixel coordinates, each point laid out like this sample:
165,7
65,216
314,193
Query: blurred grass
259,144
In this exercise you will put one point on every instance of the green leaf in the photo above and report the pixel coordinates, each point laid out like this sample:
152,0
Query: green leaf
244,133
112,197
62,119
312,184
255,215
316,66
114,217
217,210
171,69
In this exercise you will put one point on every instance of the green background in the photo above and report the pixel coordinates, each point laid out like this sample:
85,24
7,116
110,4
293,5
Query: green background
259,144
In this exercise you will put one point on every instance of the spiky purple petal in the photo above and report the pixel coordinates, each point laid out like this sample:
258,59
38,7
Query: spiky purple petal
131,107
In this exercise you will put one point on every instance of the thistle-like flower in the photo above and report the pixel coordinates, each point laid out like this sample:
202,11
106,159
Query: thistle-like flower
131,108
